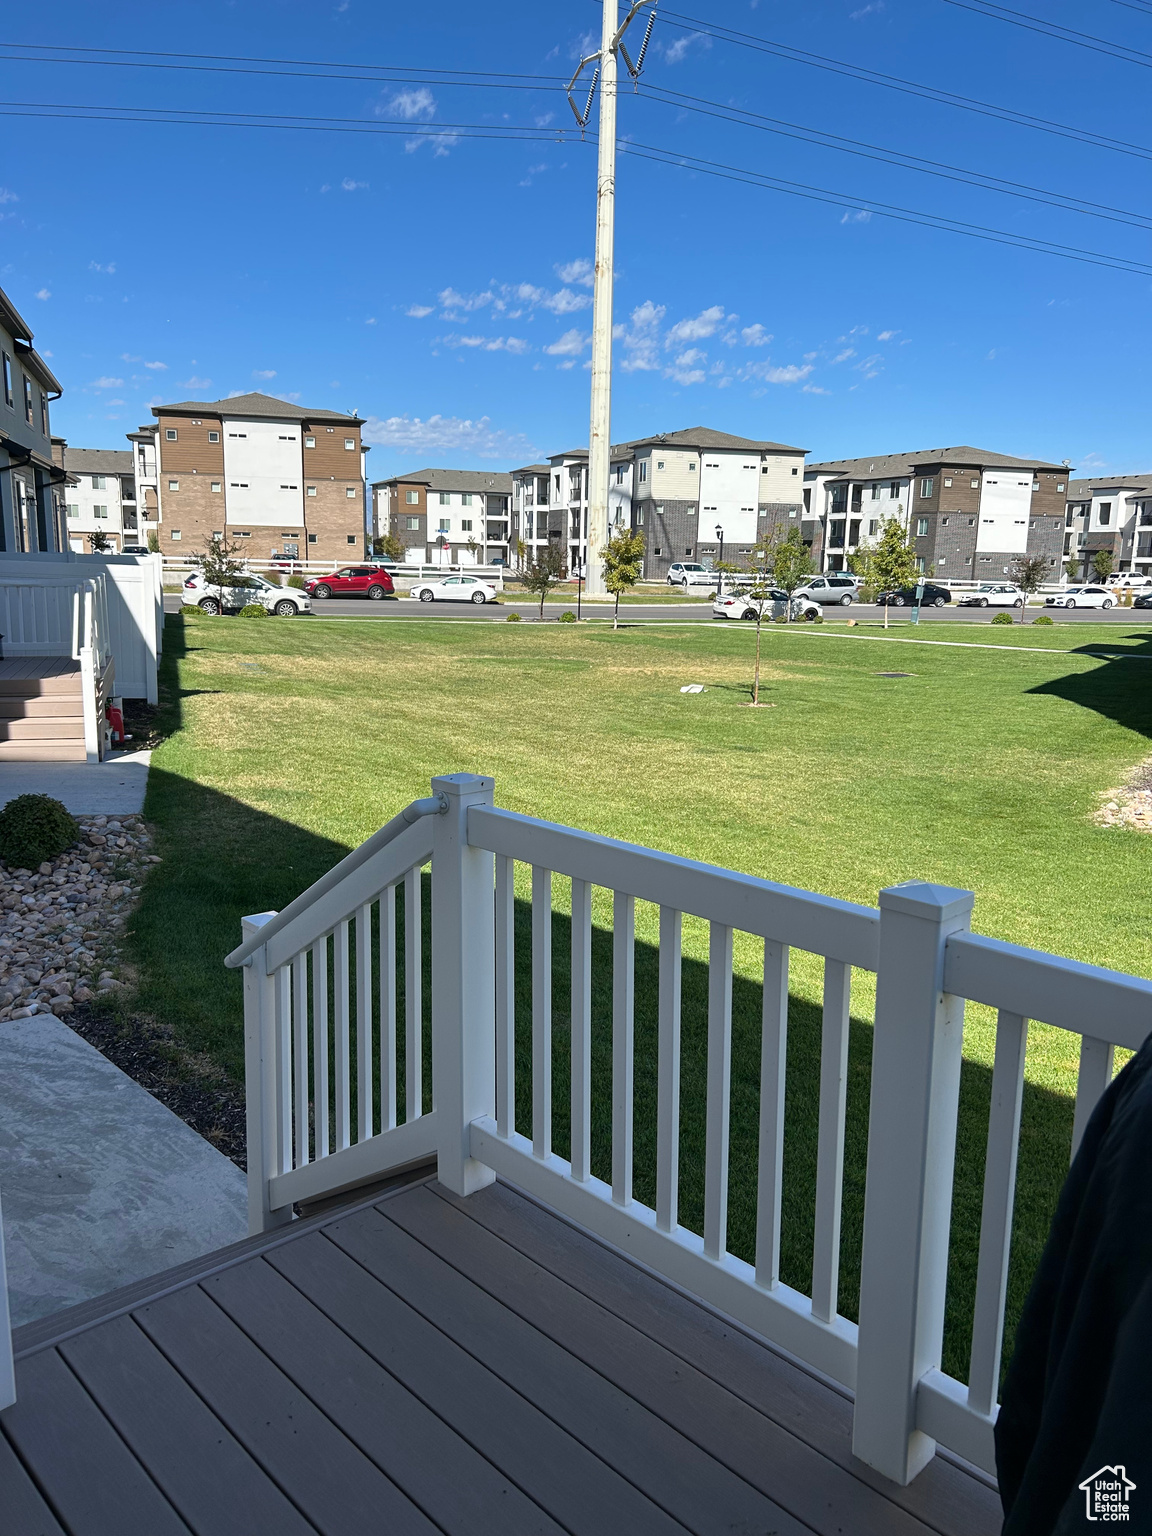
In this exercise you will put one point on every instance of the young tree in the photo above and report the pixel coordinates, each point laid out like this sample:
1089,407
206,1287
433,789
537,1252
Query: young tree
99,542
547,569
1102,562
860,563
893,560
219,566
1028,572
153,542
622,558
778,563
389,545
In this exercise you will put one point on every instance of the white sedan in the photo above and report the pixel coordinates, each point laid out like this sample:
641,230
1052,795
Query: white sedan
742,605
993,594
1081,597
455,589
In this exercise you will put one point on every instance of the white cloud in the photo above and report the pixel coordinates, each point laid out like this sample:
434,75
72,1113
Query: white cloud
263,373
814,389
513,300
410,105
43,293
887,335
581,271
117,402
1091,461
686,367
371,320
8,197
195,383
571,344
544,119
513,344
872,9
442,141
157,367
641,338
440,434
704,324
348,185
842,357
418,311
755,336
128,357
533,171
675,52
859,216
990,355
94,266
457,302
766,373
105,382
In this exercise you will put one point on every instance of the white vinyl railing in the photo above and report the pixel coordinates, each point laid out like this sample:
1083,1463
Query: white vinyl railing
327,1025
53,615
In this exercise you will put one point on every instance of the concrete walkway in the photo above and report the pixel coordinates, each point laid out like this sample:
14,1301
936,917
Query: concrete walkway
114,787
101,1184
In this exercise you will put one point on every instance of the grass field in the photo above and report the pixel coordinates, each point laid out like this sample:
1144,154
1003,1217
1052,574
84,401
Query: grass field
290,742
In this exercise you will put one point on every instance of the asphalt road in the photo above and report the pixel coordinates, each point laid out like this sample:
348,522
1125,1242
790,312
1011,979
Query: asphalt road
395,609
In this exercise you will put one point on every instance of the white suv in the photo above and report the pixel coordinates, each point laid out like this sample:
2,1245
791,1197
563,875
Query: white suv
284,602
684,574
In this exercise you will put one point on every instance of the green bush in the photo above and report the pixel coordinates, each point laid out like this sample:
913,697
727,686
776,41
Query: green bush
817,618
782,619
253,611
189,608
1042,618
512,618
297,582
34,828
567,618
1003,618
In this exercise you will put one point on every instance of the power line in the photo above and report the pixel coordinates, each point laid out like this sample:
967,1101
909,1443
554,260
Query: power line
890,82
896,157
1053,29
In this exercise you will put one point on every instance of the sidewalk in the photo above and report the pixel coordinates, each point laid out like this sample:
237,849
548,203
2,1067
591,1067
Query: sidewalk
114,787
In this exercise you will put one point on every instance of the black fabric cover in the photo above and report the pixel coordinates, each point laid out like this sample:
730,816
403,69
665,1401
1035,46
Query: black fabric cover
1078,1394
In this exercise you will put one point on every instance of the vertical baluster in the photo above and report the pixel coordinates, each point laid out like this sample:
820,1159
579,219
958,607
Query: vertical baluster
719,1093
1096,1062
830,1144
505,996
341,1024
581,1027
668,1073
300,1052
320,1043
623,1000
364,1063
541,1012
388,1008
284,1066
773,1059
413,997
996,1211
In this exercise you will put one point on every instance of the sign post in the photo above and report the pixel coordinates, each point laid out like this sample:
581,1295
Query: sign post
917,599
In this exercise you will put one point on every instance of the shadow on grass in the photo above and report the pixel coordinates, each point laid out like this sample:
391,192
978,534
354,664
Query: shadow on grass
1120,689
223,860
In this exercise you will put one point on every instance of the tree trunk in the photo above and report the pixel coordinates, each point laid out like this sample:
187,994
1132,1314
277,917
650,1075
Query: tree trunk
543,595
616,613
756,675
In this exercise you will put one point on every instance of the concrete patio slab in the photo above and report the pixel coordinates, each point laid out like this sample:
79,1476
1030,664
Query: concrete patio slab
114,787
101,1184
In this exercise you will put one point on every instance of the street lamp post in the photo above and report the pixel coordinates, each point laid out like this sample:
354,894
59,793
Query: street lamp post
720,560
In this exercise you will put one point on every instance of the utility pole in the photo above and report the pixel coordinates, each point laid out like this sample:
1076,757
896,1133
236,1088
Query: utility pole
600,426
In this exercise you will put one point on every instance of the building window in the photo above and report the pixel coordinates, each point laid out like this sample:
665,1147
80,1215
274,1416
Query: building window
241,533
28,399
216,487
948,481
971,522
692,467
873,527
311,490
170,434
99,483
312,536
1060,487
445,498
466,499
465,525
350,443
920,564
214,437
351,538
289,487
7,379
926,488
643,470
412,524
943,522
795,470
309,442
921,527
659,463
875,493
174,534
411,497
350,492
1105,513
43,413
445,524
73,509
975,485
657,551
1035,485
173,485
99,511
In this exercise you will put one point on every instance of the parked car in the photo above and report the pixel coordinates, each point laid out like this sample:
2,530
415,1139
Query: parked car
1134,580
455,589
740,604
682,573
993,594
135,549
284,602
933,596
352,581
837,587
1143,601
1081,597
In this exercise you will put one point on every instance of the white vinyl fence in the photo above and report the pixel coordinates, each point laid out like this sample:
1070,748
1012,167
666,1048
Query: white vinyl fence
320,986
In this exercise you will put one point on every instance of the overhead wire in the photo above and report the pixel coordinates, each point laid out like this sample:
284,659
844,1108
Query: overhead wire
1053,29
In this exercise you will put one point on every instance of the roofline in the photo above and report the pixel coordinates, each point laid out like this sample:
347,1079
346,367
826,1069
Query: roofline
14,320
217,408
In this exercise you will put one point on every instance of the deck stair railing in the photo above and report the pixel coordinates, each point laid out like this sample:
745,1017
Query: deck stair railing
321,998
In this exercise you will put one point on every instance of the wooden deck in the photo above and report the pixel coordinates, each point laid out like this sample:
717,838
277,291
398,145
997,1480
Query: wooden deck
419,1363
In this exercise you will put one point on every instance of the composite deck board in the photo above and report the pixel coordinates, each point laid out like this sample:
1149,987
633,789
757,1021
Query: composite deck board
330,1481
94,1483
176,1436
673,1472
455,1487
420,1363
782,1466
581,1492
944,1497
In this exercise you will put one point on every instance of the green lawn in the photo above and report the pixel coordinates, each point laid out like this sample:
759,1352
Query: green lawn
292,741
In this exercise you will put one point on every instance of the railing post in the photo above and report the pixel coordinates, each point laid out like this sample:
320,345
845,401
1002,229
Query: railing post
463,982
263,1090
916,1048
7,1368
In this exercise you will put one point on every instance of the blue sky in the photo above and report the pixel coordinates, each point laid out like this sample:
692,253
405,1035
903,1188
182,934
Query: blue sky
438,282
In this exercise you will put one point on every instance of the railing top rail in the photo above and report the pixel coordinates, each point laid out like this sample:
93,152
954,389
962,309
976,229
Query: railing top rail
433,805
802,919
1085,999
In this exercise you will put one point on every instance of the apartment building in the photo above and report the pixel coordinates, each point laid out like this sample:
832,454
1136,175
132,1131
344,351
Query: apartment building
282,481
446,516
31,484
1113,515
689,491
970,511
100,496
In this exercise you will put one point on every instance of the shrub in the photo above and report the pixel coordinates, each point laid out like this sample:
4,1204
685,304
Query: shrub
297,582
1042,618
512,618
34,828
782,619
568,618
189,608
817,618
1003,618
253,611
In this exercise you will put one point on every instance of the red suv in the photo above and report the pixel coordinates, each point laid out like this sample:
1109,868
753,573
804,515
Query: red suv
352,581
